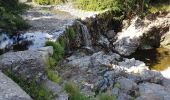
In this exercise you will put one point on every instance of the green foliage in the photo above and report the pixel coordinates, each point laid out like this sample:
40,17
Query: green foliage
129,7
71,33
96,4
10,19
160,6
106,96
62,42
74,92
52,61
58,50
117,85
53,76
36,91
49,2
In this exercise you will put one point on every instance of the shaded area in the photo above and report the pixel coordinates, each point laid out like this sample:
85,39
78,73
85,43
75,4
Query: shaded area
157,59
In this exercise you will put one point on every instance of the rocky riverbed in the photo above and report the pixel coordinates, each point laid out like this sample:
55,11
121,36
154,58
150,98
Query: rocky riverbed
98,60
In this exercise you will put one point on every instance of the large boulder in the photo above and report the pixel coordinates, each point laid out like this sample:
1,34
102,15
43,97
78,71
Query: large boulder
28,65
141,34
151,91
9,90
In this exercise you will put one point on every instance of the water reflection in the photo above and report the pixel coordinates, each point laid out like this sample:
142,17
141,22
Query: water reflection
156,59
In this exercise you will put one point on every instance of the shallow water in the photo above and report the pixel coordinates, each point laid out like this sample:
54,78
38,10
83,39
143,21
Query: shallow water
156,59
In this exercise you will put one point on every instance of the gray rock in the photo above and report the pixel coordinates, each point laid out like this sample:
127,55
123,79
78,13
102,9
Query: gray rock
9,90
48,50
123,96
115,91
97,59
56,90
101,85
29,64
151,88
80,61
139,33
149,97
104,42
100,58
127,84
111,34
152,76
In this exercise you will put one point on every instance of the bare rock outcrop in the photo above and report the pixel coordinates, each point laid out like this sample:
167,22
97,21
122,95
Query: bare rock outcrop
29,65
9,90
142,34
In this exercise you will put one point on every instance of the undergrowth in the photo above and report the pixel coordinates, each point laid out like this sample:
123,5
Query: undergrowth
35,90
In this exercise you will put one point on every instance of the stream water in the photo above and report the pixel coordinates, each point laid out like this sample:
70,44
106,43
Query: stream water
156,59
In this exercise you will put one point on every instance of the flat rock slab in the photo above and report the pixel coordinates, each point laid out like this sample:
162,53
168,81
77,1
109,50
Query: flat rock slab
29,65
9,90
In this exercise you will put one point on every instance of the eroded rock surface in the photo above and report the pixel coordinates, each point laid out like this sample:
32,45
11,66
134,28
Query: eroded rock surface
139,33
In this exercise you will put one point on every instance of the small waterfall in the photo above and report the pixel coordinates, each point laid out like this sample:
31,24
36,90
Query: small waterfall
86,36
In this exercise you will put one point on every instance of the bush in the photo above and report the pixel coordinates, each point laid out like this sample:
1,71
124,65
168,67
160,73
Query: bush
36,91
97,5
74,92
10,20
106,96
53,76
71,33
58,50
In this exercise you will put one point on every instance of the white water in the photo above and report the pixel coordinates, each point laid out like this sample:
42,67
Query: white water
86,36
5,41
37,38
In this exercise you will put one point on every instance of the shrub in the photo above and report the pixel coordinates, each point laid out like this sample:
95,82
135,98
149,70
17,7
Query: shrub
62,42
35,90
10,20
53,76
71,33
58,50
96,5
74,92
106,96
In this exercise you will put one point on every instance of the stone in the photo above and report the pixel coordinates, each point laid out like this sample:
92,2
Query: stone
111,34
152,76
97,59
55,89
130,66
151,88
29,64
115,91
123,96
104,42
100,58
127,84
48,49
137,35
9,90
149,97
80,61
